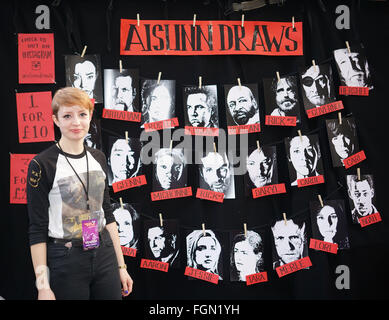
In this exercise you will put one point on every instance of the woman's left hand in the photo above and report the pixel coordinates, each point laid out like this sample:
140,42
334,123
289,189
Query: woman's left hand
126,281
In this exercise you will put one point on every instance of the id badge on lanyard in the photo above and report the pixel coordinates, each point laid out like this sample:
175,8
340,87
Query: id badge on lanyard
90,234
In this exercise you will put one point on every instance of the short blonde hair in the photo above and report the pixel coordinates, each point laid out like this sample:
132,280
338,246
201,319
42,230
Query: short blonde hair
70,96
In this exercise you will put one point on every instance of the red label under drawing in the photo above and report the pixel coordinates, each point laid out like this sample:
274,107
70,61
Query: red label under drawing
256,278
280,121
171,194
202,275
370,219
327,108
246,128
354,159
353,91
201,131
154,264
130,252
122,115
159,125
210,195
293,266
129,183
310,181
323,246
268,190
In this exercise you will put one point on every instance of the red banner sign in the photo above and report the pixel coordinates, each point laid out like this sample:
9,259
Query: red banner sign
200,131
129,183
122,115
202,275
354,159
18,177
246,128
36,58
327,108
323,246
129,252
310,181
280,121
171,194
210,195
155,265
256,278
174,37
35,121
370,219
268,190
353,91
159,125
293,266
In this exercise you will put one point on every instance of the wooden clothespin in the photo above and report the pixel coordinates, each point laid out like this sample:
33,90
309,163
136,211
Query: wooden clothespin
314,64
240,85
214,147
160,220
348,47
171,145
320,200
245,229
278,76
120,66
293,23
340,117
126,135
258,146
200,82
301,137
242,20
159,77
203,227
194,20
83,52
284,214
121,202
359,174
138,19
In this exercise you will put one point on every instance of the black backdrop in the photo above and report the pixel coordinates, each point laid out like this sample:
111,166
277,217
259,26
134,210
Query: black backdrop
96,24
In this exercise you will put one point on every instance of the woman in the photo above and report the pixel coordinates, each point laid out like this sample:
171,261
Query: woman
67,191
204,251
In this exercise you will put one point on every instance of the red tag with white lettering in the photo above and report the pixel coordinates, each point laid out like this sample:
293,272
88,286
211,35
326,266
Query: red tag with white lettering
269,190
370,219
202,275
129,252
354,159
310,181
122,115
327,108
129,183
210,195
323,246
280,121
244,129
171,194
159,125
18,177
200,131
293,266
256,278
154,264
353,91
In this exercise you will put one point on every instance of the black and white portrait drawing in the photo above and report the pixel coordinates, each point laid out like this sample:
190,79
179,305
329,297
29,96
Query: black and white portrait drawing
128,222
361,196
290,242
304,157
353,68
162,242
242,104
329,222
158,100
281,97
169,169
317,86
201,106
343,139
204,251
261,167
124,159
246,256
216,174
93,137
121,89
85,74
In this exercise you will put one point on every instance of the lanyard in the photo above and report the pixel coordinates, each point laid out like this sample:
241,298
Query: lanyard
87,174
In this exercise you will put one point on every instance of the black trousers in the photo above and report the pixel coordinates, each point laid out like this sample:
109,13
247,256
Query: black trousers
78,274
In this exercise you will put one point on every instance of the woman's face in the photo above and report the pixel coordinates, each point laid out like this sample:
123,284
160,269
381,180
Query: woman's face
327,221
245,258
125,227
160,104
207,253
343,146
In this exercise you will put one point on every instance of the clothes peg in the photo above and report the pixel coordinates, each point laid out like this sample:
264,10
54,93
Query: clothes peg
314,64
242,20
293,22
121,202
200,80
340,117
138,19
359,174
120,66
214,147
284,214
203,227
126,135
278,76
160,220
245,229
301,137
240,85
320,200
194,20
83,52
348,47
258,146
159,77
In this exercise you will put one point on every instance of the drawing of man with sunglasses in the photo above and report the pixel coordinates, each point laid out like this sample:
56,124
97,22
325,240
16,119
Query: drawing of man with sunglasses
317,86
